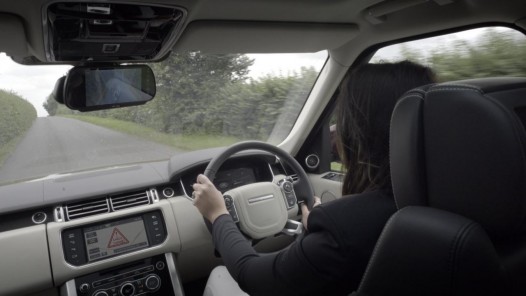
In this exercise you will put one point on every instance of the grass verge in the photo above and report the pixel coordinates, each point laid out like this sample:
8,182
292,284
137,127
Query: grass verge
16,117
183,142
7,148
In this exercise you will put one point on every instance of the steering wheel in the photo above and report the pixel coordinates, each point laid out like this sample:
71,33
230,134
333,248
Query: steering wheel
263,209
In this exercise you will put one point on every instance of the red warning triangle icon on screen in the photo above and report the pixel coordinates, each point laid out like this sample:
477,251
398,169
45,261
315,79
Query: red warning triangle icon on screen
117,239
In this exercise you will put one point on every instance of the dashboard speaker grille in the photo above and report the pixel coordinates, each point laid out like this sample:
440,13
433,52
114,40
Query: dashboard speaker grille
87,208
130,199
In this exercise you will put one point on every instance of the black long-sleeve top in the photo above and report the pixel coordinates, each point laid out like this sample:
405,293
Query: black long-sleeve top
329,259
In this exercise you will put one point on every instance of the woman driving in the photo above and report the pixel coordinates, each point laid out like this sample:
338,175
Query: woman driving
331,257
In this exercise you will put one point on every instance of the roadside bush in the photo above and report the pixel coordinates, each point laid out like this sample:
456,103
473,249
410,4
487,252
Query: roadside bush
16,117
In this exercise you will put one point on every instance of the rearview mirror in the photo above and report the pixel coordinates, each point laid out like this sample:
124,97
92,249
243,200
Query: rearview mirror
89,88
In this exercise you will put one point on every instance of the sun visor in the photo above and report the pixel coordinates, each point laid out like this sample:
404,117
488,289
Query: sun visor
263,37
13,34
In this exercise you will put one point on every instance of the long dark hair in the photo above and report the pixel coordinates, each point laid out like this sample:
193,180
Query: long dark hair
366,100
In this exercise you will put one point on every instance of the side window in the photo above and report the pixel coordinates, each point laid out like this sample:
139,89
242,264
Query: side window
476,53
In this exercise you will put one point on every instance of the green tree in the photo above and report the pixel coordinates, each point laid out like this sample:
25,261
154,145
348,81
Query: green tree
51,105
202,94
495,53
190,85
54,108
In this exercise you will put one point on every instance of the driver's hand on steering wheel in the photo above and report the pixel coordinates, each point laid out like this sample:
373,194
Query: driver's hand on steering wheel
208,200
305,211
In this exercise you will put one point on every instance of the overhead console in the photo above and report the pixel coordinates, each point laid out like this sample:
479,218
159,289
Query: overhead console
105,31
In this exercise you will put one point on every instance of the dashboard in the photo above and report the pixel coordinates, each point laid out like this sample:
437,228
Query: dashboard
117,231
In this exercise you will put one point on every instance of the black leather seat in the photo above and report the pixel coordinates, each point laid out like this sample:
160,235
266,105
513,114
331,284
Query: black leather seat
458,166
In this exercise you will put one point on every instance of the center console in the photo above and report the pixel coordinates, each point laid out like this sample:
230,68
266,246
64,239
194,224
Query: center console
93,242
85,245
151,276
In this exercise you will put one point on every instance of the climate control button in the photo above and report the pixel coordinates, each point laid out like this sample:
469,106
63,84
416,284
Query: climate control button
127,289
152,282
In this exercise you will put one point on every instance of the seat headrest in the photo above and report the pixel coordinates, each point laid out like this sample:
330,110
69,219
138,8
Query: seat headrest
460,147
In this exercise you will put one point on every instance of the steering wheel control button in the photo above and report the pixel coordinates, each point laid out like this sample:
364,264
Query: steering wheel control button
160,265
233,213
127,289
84,288
288,192
228,201
39,217
231,207
152,282
287,187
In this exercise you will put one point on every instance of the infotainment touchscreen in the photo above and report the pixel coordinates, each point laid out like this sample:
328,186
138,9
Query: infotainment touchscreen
115,238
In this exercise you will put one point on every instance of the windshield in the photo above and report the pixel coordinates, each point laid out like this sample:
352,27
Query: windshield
202,101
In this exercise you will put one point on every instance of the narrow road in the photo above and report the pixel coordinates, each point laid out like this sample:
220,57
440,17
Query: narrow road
56,145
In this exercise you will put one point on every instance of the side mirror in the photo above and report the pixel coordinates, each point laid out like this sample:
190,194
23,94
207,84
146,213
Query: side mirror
89,88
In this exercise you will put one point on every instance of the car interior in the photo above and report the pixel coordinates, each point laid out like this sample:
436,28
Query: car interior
457,150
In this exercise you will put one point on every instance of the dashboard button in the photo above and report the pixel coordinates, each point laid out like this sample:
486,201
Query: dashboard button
127,289
101,293
97,283
168,192
84,288
159,265
72,243
155,227
152,282
39,217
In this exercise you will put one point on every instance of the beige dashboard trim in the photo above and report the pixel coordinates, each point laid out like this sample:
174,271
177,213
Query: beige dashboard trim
326,189
63,271
23,254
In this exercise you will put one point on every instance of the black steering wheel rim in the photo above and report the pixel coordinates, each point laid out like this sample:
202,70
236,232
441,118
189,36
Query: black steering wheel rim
302,187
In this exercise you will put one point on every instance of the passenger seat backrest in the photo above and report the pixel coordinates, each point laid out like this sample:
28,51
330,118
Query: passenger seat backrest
463,151
458,169
427,251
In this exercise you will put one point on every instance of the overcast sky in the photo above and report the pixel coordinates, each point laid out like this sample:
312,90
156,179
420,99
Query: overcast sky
35,83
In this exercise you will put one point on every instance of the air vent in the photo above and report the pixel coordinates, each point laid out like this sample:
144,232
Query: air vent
87,208
130,199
